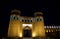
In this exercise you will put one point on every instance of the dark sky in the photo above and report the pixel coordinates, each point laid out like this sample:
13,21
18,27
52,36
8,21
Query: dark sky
48,7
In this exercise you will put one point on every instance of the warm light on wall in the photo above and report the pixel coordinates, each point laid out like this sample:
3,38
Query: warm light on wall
47,31
33,35
52,30
20,35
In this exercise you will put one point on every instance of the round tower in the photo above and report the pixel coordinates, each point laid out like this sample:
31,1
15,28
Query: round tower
39,24
14,23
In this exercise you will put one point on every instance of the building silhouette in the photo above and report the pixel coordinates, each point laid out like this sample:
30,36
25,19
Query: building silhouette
23,26
18,24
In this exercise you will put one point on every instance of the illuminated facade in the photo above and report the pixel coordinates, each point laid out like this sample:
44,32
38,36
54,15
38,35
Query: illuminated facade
19,24
35,25
51,28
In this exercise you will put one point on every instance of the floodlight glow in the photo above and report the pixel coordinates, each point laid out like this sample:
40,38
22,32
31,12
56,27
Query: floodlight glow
34,35
30,25
20,35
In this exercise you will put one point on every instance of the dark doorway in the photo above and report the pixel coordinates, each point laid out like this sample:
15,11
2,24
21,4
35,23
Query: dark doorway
27,33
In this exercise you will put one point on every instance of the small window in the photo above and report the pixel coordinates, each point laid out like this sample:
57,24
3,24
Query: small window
40,19
37,19
17,18
22,20
28,20
14,17
25,20
31,20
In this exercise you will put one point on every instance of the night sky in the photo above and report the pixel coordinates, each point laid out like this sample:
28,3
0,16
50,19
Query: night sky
48,7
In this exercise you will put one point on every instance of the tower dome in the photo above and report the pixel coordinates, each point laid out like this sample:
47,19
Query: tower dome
38,13
15,11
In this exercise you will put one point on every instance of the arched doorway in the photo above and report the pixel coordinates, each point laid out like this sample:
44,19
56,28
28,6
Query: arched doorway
27,32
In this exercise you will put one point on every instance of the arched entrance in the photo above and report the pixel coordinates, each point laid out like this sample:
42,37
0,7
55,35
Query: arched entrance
27,32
